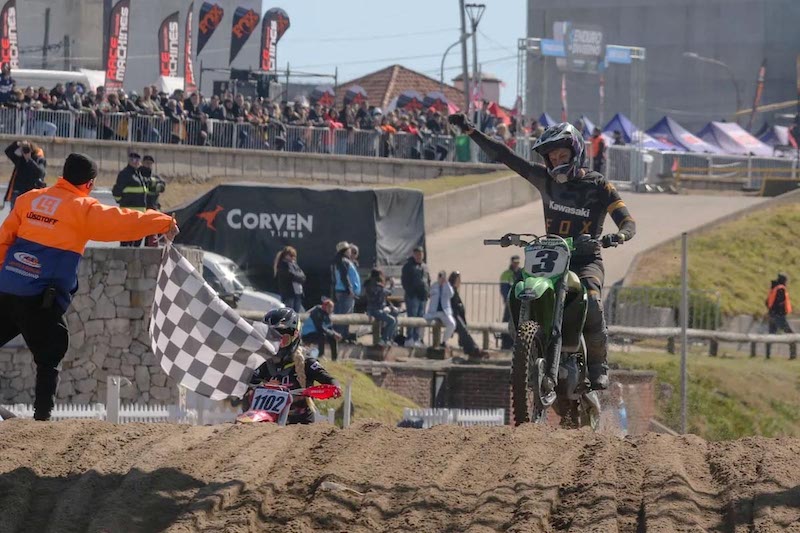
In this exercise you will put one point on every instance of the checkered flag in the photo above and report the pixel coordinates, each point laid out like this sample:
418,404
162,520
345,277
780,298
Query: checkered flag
201,342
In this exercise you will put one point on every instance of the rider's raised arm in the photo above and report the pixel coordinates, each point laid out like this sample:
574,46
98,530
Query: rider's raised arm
619,212
533,172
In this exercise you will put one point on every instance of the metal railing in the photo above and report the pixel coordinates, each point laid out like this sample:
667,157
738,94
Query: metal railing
658,307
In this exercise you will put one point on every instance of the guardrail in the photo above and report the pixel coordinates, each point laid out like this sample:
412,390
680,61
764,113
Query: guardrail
486,329
459,417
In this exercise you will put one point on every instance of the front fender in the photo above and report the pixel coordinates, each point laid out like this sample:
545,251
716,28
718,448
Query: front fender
533,288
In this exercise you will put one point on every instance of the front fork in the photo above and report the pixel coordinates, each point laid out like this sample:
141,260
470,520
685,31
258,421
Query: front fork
554,347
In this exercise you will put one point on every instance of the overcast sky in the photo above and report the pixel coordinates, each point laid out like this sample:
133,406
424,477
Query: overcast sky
412,33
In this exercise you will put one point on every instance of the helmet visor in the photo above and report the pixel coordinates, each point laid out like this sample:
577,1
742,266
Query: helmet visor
282,337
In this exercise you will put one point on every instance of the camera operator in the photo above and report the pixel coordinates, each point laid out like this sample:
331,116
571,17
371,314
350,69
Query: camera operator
29,169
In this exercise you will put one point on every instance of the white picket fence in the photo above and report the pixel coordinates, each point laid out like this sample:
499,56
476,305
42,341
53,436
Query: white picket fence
459,417
193,409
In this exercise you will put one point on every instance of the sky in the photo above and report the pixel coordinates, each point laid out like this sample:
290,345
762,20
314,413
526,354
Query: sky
413,33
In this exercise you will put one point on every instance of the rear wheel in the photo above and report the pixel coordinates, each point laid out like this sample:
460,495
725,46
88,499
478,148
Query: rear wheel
527,371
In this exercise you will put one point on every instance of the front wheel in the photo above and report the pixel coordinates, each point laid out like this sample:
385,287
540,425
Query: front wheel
527,372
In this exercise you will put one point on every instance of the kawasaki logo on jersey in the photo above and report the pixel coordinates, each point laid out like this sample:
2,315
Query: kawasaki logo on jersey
581,212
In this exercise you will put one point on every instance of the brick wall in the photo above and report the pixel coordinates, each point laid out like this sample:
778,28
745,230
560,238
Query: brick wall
488,387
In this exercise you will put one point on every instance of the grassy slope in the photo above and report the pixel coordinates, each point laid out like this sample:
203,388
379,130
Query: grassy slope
729,397
369,400
738,259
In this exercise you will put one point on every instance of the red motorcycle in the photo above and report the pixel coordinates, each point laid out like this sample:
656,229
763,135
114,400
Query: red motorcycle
271,403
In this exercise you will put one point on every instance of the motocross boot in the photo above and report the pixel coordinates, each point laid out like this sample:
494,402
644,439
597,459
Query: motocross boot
596,336
46,384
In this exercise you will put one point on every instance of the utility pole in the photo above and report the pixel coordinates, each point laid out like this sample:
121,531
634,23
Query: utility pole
464,67
475,12
46,37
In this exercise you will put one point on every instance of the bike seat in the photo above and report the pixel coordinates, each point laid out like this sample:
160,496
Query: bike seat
573,282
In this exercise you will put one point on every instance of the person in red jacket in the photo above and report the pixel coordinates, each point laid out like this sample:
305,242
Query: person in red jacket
41,244
779,305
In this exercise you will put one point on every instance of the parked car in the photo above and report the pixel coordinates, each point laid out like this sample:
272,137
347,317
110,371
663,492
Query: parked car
225,277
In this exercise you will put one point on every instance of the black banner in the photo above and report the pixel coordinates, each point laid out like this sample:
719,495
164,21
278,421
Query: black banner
274,25
168,42
189,84
251,223
117,45
9,44
210,18
245,22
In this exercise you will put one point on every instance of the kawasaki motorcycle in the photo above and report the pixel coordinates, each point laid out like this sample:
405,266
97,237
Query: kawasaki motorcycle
548,311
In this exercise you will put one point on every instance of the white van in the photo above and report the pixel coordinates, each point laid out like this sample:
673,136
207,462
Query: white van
225,277
25,77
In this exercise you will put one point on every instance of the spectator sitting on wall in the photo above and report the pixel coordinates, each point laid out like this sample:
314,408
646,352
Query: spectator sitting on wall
440,308
318,329
465,340
290,278
376,290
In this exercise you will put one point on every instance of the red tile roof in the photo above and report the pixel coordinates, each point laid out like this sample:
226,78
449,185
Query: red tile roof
386,84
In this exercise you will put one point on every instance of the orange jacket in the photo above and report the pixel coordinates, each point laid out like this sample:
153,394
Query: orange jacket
43,238
773,294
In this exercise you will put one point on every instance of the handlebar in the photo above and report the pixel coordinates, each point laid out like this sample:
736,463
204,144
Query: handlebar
582,242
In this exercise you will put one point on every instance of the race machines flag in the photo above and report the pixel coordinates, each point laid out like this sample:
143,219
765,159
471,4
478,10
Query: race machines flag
210,19
117,39
245,21
199,341
189,85
9,45
273,26
168,43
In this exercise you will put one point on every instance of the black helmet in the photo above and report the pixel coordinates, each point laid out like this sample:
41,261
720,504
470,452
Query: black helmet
563,135
284,330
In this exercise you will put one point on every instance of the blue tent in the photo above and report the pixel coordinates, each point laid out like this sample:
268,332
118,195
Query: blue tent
733,139
629,131
776,136
588,126
546,120
669,131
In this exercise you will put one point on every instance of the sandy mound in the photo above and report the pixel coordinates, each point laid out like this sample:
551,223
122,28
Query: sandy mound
93,476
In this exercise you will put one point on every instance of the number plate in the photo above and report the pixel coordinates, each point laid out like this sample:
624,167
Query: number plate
270,400
546,261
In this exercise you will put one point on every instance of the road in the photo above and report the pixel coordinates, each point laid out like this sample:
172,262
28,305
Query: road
659,217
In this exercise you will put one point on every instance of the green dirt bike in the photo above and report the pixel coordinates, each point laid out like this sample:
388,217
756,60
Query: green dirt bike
548,312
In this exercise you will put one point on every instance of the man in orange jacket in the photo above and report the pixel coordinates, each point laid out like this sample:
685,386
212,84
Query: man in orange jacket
41,244
779,305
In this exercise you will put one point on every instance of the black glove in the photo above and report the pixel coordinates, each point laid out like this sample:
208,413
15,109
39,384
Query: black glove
612,240
461,121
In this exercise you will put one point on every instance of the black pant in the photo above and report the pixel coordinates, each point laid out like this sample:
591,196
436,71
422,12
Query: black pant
592,274
45,332
465,340
779,323
132,244
319,339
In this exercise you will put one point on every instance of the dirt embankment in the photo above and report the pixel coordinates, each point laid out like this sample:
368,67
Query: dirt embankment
92,476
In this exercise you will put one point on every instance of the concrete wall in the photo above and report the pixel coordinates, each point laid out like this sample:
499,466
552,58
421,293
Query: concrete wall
200,163
470,203
108,322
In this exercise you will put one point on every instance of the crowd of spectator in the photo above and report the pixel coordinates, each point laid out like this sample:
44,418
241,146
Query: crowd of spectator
188,118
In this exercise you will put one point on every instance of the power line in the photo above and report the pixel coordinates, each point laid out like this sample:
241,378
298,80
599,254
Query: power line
501,45
376,60
374,37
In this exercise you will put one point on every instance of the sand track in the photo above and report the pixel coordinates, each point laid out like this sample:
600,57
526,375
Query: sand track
92,476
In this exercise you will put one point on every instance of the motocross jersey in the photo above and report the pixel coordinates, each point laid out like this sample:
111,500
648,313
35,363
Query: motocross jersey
573,208
286,375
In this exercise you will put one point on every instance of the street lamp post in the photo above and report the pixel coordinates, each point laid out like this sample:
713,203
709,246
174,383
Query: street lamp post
698,57
463,38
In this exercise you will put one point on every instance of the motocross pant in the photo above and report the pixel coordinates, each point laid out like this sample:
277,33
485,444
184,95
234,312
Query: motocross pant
592,274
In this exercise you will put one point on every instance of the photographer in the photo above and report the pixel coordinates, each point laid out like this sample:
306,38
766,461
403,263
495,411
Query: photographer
29,169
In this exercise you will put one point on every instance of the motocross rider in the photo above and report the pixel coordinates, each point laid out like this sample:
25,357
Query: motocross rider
293,370
575,201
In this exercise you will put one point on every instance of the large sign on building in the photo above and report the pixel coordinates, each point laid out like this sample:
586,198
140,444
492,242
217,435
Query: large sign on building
584,46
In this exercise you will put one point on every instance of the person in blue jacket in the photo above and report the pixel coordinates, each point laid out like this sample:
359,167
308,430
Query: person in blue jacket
346,284
318,329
